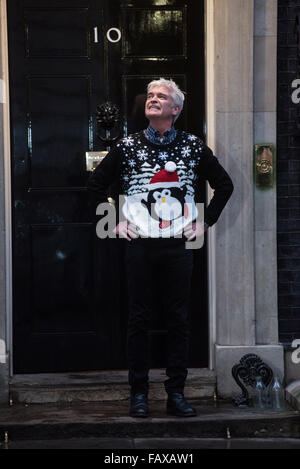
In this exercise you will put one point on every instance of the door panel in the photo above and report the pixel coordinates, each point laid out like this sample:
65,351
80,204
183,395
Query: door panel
51,247
57,143
142,24
69,287
61,31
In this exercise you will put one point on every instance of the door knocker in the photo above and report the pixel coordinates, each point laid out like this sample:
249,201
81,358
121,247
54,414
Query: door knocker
108,117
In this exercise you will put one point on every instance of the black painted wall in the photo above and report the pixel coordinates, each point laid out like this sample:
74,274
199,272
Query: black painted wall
288,172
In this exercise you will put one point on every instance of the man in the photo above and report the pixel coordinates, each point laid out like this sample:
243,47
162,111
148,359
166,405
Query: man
159,170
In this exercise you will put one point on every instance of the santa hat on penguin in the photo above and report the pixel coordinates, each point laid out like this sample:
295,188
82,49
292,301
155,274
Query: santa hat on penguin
165,178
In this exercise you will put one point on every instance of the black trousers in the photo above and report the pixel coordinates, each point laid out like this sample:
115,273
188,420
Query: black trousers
167,266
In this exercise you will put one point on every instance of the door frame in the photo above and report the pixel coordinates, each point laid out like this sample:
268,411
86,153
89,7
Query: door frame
210,134
7,184
210,122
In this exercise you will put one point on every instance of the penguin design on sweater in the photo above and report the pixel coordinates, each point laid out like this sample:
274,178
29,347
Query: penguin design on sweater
166,199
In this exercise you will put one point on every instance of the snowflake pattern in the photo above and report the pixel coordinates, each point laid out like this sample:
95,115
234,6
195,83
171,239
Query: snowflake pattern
142,155
128,141
131,163
142,161
186,151
163,155
192,137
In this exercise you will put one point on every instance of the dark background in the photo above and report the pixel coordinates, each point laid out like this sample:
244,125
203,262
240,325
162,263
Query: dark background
288,173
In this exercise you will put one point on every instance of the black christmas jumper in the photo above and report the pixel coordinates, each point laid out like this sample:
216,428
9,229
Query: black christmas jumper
161,184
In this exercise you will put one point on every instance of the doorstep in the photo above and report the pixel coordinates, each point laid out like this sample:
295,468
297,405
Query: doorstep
215,419
101,386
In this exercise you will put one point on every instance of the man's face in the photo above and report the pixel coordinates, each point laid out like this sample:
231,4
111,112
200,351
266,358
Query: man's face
160,104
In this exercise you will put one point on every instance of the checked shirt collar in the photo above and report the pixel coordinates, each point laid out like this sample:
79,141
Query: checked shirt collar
154,135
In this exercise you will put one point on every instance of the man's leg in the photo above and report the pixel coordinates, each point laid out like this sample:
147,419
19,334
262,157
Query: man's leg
139,270
177,274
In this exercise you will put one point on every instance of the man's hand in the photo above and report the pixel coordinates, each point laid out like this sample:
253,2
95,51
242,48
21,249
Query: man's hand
194,230
126,230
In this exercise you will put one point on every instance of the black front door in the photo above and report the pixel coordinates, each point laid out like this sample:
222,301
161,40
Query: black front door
67,57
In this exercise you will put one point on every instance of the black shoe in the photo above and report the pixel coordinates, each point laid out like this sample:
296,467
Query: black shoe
177,405
139,406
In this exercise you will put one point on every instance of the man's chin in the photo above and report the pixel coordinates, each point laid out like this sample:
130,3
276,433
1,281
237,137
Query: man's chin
152,114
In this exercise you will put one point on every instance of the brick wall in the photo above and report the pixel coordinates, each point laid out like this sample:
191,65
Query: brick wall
288,174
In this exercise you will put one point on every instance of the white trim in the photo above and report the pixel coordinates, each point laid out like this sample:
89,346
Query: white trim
7,181
163,185
211,140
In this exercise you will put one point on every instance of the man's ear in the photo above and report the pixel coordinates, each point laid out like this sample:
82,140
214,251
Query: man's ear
175,110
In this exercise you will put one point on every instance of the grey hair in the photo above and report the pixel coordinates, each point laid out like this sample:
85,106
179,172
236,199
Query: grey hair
176,93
